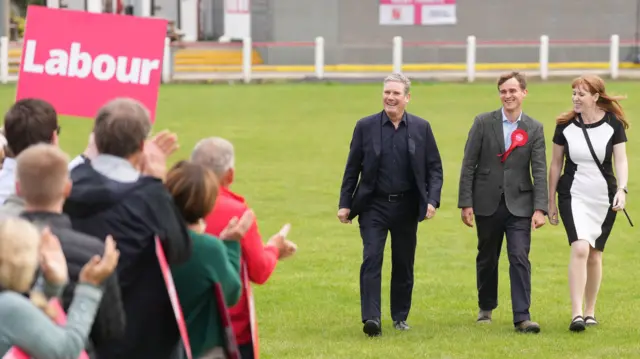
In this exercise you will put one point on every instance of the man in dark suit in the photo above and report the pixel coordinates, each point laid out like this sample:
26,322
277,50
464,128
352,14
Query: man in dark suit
396,157
498,190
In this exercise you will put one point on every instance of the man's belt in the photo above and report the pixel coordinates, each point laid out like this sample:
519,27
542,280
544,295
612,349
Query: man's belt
393,197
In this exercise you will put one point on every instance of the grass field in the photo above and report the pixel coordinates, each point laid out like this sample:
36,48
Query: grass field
292,142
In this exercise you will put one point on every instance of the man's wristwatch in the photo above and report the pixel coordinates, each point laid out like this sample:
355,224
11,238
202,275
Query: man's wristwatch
624,189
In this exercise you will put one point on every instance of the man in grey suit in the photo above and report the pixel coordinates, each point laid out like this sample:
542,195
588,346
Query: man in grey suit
504,150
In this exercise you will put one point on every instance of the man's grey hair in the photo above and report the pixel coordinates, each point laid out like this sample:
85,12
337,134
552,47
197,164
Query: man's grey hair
398,77
215,153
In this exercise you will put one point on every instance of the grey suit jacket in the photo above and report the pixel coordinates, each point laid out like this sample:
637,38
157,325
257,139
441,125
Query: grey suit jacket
483,178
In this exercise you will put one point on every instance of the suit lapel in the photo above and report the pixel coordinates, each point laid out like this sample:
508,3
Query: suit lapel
411,143
376,133
411,147
523,124
497,129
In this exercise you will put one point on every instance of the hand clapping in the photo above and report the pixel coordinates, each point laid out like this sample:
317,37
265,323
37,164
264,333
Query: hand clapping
279,240
156,152
237,228
167,142
98,269
52,260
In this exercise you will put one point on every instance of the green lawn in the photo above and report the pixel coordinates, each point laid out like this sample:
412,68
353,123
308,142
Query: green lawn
292,142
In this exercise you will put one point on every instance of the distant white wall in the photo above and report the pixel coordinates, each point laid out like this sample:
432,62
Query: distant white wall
189,19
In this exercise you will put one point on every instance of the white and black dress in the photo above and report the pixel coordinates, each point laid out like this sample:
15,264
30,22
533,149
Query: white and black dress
585,195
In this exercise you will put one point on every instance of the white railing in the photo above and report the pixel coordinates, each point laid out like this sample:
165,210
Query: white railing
4,59
319,70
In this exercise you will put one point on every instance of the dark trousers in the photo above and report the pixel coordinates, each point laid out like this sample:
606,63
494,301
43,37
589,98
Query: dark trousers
400,219
491,230
179,352
246,350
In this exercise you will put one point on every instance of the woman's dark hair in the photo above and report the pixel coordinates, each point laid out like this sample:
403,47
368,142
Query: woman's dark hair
194,189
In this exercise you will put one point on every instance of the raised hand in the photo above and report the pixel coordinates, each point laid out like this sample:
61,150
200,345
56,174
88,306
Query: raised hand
52,260
91,151
98,269
154,161
279,240
290,249
237,228
166,141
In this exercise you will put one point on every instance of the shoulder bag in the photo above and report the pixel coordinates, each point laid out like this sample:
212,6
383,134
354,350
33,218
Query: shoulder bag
595,158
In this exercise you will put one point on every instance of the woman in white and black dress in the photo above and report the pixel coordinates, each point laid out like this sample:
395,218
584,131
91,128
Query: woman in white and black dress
589,195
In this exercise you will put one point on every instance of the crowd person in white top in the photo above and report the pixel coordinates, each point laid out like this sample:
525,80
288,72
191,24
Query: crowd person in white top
28,122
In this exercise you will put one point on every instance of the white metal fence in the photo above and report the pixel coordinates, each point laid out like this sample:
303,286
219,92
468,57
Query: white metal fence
247,73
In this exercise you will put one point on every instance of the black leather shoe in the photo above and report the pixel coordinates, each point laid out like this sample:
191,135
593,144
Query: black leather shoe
401,325
577,324
372,328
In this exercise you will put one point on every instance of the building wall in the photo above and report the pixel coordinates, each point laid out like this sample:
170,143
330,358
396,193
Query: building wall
76,4
218,19
261,21
167,9
299,21
211,19
5,12
352,34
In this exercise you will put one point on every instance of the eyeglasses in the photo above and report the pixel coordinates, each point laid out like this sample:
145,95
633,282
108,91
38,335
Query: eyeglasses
58,130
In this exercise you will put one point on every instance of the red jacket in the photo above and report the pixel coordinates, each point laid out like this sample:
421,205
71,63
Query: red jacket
260,260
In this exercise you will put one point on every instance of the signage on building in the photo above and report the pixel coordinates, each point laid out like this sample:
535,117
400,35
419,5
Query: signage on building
418,12
237,19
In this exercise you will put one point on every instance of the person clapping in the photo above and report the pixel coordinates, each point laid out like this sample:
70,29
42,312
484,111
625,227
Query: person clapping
27,324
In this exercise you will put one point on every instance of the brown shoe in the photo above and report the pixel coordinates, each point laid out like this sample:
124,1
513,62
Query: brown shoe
484,316
528,326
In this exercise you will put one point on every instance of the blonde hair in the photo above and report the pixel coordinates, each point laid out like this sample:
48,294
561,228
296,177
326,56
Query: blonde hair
595,85
19,248
19,244
42,172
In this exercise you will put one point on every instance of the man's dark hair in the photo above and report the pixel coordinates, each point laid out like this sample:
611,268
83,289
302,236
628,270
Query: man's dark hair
522,80
29,122
121,126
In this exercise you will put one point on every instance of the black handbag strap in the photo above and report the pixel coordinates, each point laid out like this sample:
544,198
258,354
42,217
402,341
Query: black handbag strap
593,153
595,157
